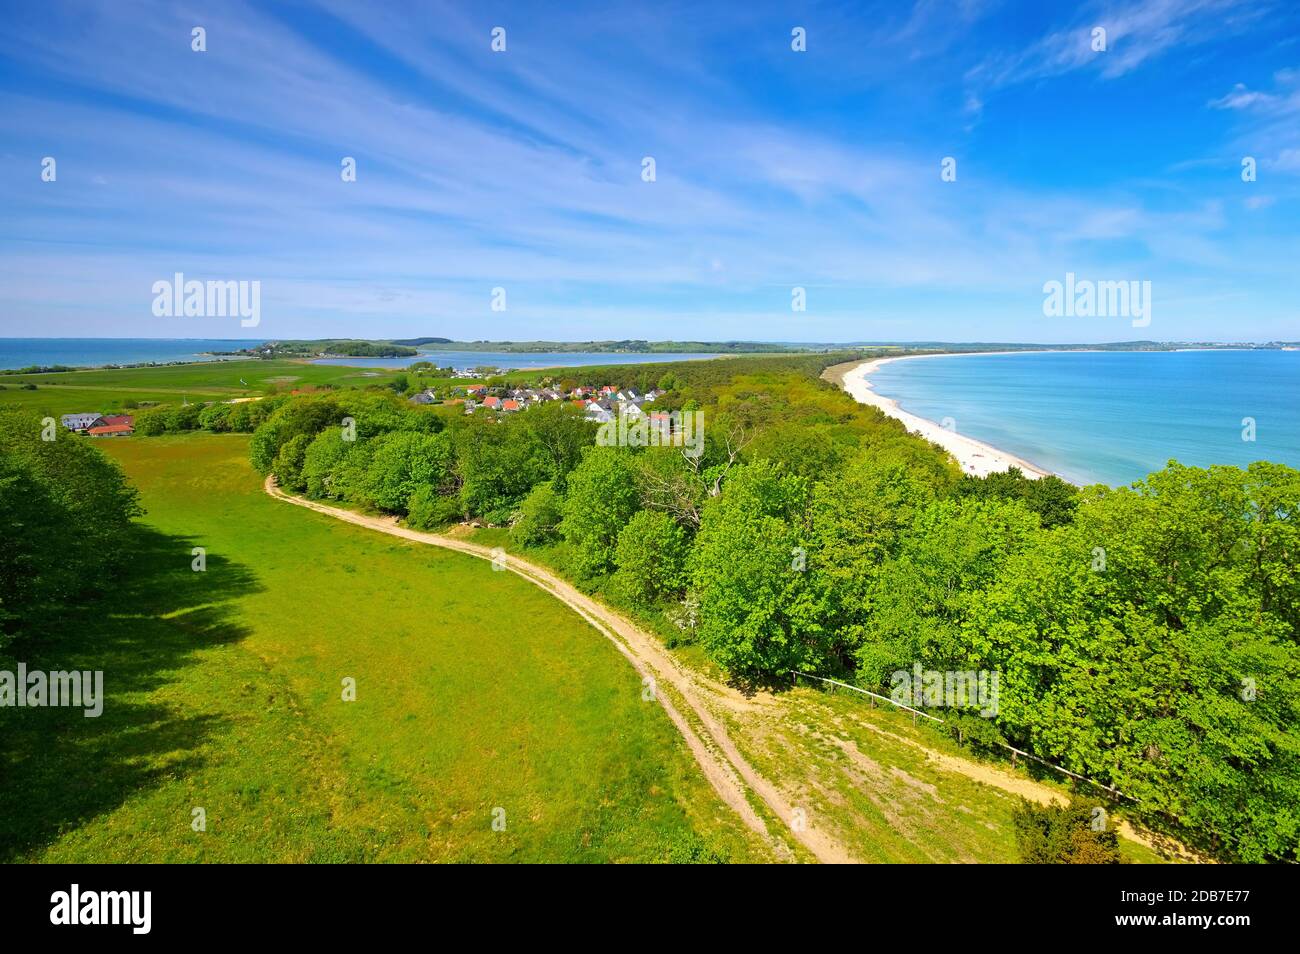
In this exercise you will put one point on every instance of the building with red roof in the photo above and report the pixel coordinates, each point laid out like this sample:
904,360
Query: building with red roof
111,430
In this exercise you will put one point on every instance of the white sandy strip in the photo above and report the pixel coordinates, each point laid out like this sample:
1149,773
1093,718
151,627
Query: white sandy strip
975,457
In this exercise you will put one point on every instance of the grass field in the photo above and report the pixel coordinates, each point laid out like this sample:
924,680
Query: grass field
475,692
108,389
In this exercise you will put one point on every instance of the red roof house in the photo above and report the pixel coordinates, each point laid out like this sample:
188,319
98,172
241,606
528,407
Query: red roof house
111,430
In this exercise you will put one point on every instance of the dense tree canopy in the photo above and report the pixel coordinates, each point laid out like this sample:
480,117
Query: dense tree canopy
66,511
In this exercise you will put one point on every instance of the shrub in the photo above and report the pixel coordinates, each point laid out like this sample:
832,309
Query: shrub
184,418
428,510
152,421
216,417
1061,835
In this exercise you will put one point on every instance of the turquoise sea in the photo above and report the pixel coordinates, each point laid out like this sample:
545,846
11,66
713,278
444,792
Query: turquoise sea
1111,417
93,352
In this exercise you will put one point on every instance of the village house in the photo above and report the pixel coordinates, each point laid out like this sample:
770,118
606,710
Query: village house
82,421
111,430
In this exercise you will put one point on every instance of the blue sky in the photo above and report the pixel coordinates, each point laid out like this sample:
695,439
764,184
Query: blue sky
774,168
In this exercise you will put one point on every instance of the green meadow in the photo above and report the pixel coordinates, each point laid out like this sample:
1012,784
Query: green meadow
478,698
109,389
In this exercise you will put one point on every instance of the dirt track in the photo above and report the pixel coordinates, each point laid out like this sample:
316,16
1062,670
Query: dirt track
730,774
728,771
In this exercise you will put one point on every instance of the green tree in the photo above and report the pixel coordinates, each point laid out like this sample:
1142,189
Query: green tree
152,421
562,434
184,417
1050,497
404,461
859,517
498,463
216,417
922,599
67,511
601,499
322,459
758,616
289,462
302,415
651,557
1152,645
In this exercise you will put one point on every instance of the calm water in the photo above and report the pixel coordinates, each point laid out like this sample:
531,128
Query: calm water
91,352
513,362
1111,417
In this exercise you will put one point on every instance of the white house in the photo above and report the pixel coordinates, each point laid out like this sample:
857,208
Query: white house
80,422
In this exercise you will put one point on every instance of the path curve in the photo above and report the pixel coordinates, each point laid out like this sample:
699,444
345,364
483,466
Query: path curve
727,770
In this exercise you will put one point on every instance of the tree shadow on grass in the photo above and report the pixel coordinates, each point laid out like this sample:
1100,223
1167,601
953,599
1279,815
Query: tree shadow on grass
59,769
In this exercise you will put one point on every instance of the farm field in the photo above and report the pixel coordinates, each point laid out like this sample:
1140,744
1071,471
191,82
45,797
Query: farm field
474,692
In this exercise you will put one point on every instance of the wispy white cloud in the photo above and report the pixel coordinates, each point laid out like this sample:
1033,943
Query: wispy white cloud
523,170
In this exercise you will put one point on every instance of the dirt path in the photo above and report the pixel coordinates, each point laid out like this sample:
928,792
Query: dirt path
1033,791
723,765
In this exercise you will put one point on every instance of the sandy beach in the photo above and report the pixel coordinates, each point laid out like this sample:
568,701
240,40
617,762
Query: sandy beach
975,457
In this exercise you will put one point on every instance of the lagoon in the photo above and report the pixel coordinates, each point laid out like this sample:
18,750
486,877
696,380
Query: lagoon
515,361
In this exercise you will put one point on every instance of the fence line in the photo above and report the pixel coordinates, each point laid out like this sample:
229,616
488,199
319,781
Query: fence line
1010,748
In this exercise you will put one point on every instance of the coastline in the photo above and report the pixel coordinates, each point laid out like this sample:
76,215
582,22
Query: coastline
975,457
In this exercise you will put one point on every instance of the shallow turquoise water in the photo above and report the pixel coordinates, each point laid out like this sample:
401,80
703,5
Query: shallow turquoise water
91,352
1111,417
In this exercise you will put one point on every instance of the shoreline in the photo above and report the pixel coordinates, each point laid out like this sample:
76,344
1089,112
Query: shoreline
974,457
